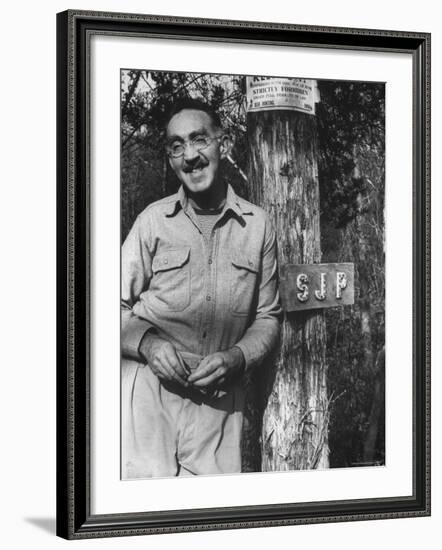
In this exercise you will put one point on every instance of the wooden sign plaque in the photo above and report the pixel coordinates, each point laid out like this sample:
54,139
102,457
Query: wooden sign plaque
314,286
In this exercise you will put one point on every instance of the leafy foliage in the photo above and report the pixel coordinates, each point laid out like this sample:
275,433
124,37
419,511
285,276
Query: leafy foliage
351,174
351,115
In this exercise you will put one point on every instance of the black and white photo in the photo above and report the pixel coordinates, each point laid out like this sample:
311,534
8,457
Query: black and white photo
253,280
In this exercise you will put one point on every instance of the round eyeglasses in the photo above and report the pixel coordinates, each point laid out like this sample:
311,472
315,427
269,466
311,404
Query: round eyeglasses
176,148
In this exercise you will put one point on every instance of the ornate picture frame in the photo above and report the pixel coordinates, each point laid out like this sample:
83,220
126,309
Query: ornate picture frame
76,518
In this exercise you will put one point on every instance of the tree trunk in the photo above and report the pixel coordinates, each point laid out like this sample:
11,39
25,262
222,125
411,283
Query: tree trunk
284,181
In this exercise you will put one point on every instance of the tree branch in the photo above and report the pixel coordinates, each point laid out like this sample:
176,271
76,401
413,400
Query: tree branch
130,93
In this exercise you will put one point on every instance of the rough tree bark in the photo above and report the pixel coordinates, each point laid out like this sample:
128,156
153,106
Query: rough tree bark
283,179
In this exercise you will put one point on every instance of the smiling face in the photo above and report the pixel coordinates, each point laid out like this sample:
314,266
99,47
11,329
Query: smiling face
197,170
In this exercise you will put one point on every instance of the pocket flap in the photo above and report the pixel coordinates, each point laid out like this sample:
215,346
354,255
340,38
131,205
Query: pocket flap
170,259
246,262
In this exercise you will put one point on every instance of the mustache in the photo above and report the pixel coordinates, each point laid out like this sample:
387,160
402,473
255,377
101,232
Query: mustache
189,167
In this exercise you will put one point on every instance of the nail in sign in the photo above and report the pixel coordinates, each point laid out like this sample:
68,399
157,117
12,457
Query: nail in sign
314,286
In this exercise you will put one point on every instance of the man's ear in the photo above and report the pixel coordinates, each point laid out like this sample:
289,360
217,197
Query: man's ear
225,145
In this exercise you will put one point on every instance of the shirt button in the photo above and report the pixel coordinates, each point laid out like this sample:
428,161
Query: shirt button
166,261
204,334
210,260
250,263
208,298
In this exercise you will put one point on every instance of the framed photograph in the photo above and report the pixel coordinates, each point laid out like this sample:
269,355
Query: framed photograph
243,274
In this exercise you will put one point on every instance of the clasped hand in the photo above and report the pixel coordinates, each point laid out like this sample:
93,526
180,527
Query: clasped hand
214,370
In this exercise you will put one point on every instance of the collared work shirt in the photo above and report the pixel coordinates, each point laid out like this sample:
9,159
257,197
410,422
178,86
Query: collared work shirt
202,296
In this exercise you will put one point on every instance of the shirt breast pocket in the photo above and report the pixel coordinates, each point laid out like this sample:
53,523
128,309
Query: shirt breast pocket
244,277
170,283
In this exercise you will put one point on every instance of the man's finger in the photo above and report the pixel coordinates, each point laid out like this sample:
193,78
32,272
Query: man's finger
211,378
177,369
179,365
206,367
172,374
171,360
159,371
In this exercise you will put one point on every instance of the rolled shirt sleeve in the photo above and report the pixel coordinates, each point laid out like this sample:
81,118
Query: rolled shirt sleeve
262,335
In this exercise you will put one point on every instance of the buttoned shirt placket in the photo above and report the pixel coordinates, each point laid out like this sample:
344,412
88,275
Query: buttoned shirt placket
210,251
211,288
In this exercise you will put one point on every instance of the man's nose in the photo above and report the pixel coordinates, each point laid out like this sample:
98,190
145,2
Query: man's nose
190,154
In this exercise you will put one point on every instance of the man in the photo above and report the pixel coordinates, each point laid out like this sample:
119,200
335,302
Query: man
200,305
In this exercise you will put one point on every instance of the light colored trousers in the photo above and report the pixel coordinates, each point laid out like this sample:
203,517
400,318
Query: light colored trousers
171,431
